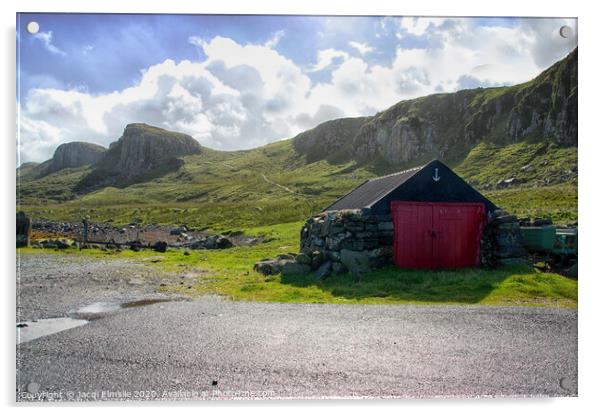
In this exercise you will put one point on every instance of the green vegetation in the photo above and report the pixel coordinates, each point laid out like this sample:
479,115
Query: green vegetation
272,184
229,273
531,164
271,190
558,203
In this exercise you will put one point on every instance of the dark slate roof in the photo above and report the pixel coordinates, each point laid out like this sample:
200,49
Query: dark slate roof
371,191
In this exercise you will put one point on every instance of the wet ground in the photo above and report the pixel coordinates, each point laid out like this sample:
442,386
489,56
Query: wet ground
51,285
132,342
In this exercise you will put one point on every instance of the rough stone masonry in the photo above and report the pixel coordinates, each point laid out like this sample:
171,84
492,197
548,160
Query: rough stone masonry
358,241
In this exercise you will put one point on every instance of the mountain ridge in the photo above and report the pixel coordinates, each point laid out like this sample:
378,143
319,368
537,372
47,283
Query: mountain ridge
533,126
447,126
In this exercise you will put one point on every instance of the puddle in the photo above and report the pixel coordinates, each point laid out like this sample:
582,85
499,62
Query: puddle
99,307
29,330
141,303
95,311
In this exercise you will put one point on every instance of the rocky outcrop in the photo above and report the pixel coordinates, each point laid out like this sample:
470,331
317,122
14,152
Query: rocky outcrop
142,150
319,142
73,155
443,126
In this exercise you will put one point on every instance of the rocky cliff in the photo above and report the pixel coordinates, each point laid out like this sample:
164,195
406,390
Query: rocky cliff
319,142
142,150
73,155
447,126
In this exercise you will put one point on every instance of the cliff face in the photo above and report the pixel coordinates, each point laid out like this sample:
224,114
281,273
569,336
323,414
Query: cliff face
141,150
446,126
319,142
73,155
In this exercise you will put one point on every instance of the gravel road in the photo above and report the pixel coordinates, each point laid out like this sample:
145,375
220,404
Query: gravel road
54,285
217,349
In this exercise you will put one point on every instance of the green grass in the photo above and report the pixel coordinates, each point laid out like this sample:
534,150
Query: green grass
273,184
533,164
558,203
229,273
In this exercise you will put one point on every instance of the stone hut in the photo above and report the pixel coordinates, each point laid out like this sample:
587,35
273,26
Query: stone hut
426,217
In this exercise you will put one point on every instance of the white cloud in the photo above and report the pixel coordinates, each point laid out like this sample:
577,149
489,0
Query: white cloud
326,58
362,48
243,96
274,39
418,25
46,39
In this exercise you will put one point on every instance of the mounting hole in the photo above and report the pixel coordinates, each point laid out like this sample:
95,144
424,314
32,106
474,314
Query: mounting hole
33,27
566,32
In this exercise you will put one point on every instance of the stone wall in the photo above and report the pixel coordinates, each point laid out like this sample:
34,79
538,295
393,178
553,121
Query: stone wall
502,242
361,241
358,242
350,239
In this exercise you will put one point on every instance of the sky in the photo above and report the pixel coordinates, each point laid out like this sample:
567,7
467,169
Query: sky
238,82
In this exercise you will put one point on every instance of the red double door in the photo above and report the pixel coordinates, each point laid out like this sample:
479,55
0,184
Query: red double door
437,235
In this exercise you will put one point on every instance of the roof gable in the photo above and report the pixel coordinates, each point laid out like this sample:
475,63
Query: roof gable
432,182
372,190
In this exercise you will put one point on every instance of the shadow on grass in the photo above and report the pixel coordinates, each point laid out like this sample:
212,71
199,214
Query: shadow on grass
467,286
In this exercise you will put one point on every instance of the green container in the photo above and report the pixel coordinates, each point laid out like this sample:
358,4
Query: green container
566,241
539,238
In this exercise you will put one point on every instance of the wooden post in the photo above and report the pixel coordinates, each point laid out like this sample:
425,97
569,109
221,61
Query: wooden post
86,223
23,230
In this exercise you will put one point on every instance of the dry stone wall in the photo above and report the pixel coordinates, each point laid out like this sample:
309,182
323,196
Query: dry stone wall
350,239
357,241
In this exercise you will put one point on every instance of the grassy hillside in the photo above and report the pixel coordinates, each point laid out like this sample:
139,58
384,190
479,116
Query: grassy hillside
272,185
516,144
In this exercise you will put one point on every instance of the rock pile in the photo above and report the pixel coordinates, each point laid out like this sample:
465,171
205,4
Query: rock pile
299,264
502,242
51,244
342,241
211,242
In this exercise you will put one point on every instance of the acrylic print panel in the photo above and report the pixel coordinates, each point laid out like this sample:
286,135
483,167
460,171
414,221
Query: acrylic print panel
177,231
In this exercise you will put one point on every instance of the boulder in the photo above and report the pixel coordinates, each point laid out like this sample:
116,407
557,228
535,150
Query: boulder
267,267
339,268
304,259
291,267
357,262
212,242
135,246
222,242
316,259
160,246
178,231
324,270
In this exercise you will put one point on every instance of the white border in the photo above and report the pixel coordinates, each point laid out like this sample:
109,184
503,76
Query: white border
589,152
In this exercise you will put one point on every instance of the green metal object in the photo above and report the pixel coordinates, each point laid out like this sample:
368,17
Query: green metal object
566,242
539,238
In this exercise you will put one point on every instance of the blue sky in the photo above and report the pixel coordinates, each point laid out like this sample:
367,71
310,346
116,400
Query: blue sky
241,81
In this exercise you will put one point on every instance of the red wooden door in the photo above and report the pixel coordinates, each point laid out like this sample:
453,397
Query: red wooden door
437,235
412,243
